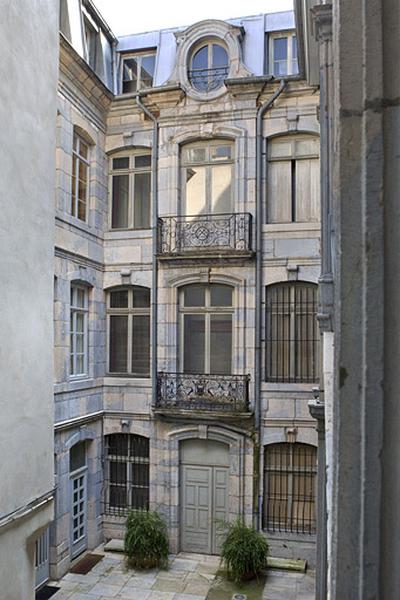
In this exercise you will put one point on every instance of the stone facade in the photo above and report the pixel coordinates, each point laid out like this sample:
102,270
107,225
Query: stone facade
90,254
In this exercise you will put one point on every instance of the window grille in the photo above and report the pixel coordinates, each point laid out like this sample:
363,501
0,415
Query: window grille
292,337
290,481
127,473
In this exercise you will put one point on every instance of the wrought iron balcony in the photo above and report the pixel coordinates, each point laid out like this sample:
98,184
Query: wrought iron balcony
188,391
228,234
207,80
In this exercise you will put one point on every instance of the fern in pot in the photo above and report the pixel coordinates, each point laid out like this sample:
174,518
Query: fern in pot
146,540
244,552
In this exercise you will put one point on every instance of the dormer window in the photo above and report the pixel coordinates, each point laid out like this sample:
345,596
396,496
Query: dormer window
209,67
138,71
283,54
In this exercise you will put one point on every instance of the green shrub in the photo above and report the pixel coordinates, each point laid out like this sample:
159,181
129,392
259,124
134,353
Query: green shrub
244,552
146,540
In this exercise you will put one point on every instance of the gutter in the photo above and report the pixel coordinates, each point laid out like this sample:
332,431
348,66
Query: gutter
154,284
258,275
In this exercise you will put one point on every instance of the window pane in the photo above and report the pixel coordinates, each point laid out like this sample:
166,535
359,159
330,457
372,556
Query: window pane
118,496
146,77
143,161
118,343
77,456
141,297
139,446
195,295
129,75
219,56
221,344
117,472
194,337
195,155
119,299
221,152
73,187
279,195
141,345
295,66
195,190
221,295
121,163
280,49
142,200
120,201
117,444
221,191
83,149
200,59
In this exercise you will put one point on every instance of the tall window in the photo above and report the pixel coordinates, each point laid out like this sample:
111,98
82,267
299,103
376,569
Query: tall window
292,338
209,67
283,58
293,180
80,178
128,314
79,331
127,473
138,71
206,328
290,481
131,187
208,177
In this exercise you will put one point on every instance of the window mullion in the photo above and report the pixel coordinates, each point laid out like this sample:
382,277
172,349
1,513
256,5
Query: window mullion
131,200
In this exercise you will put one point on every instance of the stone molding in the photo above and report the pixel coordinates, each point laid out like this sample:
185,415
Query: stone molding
322,22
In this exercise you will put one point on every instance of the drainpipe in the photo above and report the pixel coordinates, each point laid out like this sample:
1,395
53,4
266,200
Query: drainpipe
154,285
259,214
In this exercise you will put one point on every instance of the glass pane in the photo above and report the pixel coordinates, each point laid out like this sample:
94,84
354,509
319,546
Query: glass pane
77,456
75,142
221,190
117,496
79,342
194,295
280,49
117,472
193,345
200,59
73,187
142,200
195,190
80,297
83,149
221,295
196,155
121,163
139,446
219,56
82,190
141,345
143,161
120,201
221,344
80,364
146,77
141,297
221,152
119,299
295,65
118,344
117,444
129,75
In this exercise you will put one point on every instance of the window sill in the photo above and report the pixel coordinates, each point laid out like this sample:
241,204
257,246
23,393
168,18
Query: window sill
284,227
304,388
75,222
126,380
75,385
124,234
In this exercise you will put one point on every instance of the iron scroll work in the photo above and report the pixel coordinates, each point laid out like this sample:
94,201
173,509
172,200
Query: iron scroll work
187,391
223,233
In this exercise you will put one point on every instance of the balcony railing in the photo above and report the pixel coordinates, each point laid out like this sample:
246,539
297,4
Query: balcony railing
188,391
207,80
204,234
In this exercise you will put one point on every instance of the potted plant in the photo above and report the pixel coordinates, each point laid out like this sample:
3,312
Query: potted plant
244,552
146,540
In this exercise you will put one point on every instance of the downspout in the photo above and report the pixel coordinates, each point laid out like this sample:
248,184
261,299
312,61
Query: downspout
259,214
154,284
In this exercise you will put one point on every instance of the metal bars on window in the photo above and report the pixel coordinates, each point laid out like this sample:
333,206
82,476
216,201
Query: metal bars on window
292,338
290,481
127,473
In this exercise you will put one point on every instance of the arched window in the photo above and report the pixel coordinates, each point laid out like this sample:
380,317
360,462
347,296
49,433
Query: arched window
127,473
290,487
293,180
130,190
207,176
206,328
209,66
292,336
128,321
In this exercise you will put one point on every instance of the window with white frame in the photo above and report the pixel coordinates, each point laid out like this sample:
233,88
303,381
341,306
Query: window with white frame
137,71
79,331
206,324
80,178
207,175
130,190
209,66
127,473
283,59
293,192
128,316
290,472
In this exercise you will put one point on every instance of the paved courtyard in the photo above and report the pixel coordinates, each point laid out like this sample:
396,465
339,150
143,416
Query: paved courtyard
189,577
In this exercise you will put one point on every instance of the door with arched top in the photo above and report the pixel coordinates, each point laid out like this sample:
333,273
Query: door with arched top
204,482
